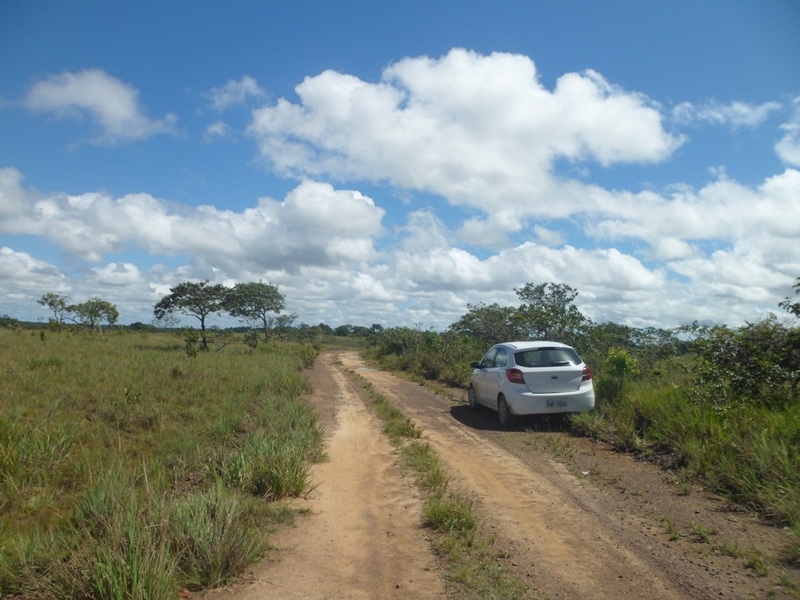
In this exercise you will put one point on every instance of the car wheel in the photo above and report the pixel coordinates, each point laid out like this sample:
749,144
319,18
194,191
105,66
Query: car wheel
473,399
504,413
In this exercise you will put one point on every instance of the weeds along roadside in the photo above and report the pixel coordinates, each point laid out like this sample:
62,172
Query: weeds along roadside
745,451
130,469
729,420
460,541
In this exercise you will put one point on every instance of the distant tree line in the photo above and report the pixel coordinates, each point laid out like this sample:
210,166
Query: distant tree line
757,362
256,304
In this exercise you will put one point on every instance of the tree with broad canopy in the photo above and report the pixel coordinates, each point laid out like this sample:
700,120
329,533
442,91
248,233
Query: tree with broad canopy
93,312
548,312
253,303
193,299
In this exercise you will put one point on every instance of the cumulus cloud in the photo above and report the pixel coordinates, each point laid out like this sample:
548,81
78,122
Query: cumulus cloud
548,237
24,278
736,114
234,93
315,225
723,212
475,129
16,267
480,131
424,230
108,102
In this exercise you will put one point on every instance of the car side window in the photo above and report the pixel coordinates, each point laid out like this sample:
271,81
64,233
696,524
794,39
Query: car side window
501,360
488,360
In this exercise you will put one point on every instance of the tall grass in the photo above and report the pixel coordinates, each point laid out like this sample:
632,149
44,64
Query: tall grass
749,452
118,460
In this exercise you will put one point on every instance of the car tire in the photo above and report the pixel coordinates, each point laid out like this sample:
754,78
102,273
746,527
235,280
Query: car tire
504,413
473,399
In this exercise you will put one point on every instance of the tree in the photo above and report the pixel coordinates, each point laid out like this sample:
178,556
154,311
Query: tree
490,324
93,312
787,304
548,312
283,322
192,299
56,303
254,303
344,330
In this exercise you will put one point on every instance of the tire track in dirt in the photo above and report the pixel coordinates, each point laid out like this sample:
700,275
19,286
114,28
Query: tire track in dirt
363,537
566,549
565,535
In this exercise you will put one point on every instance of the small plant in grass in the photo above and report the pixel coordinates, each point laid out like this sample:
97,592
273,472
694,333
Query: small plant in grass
212,537
266,467
251,339
452,515
757,562
791,551
729,549
670,530
702,534
125,555
591,424
191,338
395,424
430,471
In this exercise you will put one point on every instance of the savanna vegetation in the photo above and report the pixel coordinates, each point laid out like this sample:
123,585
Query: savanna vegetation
139,460
131,469
715,404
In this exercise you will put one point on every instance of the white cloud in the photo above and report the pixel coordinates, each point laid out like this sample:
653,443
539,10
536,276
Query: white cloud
722,212
107,101
218,129
736,114
314,225
788,148
479,130
117,275
234,93
548,237
424,231
483,232
24,279
18,267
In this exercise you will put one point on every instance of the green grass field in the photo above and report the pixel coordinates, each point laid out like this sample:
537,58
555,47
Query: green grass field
130,469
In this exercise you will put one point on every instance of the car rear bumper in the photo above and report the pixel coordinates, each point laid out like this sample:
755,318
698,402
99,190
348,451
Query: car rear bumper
527,403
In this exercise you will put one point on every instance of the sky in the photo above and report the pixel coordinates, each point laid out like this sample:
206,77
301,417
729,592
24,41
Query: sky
396,163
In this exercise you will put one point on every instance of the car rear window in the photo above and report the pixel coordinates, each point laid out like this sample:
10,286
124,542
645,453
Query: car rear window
547,357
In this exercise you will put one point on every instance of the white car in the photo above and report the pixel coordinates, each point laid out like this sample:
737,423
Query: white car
531,378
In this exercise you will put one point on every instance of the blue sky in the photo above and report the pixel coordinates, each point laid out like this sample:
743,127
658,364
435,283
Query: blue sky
394,163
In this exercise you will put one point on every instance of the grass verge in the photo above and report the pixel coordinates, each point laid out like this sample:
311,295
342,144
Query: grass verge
747,452
474,565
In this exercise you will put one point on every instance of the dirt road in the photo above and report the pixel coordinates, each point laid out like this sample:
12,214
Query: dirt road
574,519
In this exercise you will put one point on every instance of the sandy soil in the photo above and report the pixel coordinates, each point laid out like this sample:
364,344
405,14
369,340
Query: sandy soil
571,517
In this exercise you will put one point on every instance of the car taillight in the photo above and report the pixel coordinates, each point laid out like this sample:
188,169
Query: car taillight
587,373
515,376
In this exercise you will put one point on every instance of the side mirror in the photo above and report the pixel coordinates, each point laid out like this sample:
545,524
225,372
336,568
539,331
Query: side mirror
475,365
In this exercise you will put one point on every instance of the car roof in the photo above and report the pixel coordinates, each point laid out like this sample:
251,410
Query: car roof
528,345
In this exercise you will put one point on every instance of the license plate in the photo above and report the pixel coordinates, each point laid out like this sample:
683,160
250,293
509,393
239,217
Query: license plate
553,403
